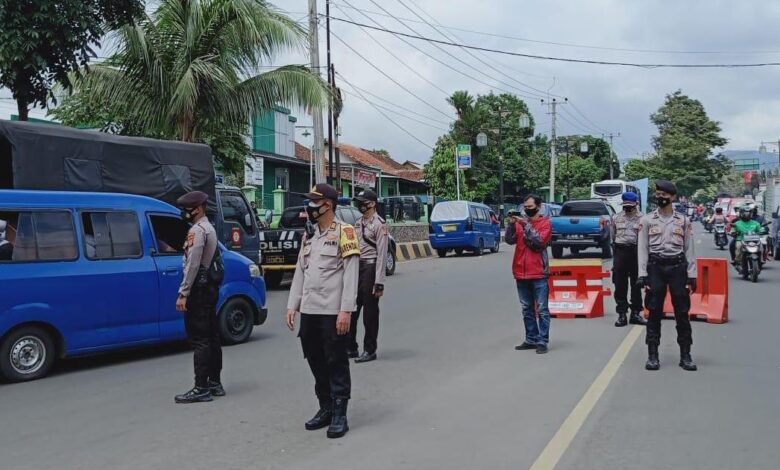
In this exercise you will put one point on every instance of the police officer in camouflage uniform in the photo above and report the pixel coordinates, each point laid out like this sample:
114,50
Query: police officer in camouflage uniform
667,261
625,230
373,236
324,290
198,301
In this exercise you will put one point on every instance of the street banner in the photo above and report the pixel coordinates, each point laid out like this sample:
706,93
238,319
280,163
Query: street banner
464,156
365,179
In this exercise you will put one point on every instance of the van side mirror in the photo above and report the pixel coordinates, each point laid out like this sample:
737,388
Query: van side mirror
248,220
269,216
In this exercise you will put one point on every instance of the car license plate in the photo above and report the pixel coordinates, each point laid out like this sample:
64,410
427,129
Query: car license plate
449,228
274,259
574,237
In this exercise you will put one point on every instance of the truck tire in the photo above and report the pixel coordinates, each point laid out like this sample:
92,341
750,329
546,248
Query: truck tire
273,279
496,246
390,263
557,251
458,251
26,354
442,253
236,320
480,248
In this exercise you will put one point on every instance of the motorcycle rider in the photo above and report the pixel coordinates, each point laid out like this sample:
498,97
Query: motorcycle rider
718,217
739,229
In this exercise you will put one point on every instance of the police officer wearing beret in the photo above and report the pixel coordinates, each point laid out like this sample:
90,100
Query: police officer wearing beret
197,300
625,233
324,290
373,236
667,261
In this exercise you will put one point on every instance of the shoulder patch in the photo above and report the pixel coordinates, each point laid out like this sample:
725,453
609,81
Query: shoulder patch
348,243
190,239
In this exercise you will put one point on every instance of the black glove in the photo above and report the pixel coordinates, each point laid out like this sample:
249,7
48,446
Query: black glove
692,284
643,282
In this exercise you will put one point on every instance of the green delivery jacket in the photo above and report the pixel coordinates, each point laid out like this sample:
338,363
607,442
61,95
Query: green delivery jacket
740,228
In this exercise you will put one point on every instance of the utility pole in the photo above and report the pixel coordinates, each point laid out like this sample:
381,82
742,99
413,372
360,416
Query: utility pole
330,98
500,169
611,160
316,115
553,110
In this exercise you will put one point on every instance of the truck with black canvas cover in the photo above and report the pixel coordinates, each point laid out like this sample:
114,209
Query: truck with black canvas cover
59,158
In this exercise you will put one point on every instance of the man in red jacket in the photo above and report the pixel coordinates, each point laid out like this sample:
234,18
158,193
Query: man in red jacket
531,235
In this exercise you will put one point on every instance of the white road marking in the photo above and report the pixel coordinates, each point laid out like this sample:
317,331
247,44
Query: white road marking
557,446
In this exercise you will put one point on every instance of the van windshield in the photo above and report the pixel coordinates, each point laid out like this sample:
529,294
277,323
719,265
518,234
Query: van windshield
607,189
450,210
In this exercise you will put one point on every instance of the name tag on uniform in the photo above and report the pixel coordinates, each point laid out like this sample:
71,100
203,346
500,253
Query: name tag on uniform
655,230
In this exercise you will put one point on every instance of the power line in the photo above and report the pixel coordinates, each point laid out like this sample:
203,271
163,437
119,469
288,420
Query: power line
574,45
388,76
411,69
436,59
458,59
560,59
397,113
540,93
393,122
595,126
388,102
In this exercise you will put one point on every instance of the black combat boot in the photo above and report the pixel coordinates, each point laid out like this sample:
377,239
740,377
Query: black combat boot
652,357
196,395
621,321
322,418
338,425
637,319
686,362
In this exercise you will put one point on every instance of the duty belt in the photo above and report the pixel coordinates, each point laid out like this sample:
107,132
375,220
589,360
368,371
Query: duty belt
668,260
625,246
367,260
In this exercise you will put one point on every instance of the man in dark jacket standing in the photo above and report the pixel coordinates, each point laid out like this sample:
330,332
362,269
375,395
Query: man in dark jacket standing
531,234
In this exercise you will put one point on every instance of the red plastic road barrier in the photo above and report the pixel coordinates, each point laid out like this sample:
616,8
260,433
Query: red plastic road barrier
577,288
711,300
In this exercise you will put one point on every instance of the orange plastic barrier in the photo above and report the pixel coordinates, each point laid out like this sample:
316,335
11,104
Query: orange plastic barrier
577,288
711,300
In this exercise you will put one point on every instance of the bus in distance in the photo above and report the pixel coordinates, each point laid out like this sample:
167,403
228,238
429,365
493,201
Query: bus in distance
612,191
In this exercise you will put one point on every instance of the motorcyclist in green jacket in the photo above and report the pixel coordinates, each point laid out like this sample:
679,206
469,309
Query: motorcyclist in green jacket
742,227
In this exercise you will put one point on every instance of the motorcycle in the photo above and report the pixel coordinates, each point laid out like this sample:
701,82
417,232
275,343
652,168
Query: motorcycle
721,240
767,245
751,257
708,225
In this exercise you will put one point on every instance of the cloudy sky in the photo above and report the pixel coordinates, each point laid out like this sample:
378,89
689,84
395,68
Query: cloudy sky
602,98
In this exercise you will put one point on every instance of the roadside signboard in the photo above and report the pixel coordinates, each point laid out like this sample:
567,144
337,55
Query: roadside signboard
464,156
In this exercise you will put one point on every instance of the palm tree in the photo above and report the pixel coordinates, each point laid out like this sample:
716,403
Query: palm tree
191,68
463,103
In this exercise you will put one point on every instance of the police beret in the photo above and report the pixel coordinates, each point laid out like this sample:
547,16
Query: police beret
193,199
322,191
366,195
630,197
666,186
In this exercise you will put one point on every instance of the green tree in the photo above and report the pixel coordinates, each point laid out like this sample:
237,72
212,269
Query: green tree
43,41
636,169
685,142
189,71
440,171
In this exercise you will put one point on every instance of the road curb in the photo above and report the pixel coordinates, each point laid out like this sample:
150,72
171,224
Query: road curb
413,250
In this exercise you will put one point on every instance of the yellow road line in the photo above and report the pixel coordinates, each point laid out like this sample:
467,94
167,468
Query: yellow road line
557,446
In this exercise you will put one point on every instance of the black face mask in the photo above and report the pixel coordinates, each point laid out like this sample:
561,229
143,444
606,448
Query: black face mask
188,214
745,217
363,208
315,212
531,212
628,208
663,201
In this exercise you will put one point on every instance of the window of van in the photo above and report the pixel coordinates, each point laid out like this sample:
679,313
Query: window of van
111,235
169,234
235,209
40,235
450,210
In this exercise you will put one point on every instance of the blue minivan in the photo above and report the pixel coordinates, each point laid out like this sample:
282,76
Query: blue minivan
462,225
95,272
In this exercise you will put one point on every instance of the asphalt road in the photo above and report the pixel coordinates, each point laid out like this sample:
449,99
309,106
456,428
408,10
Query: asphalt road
448,392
